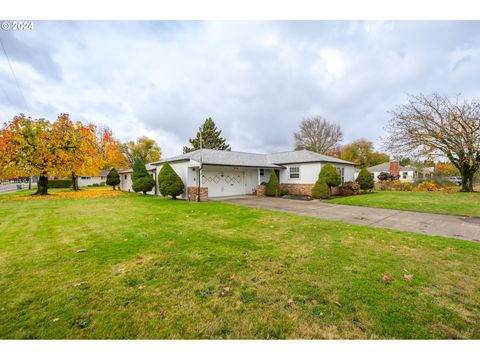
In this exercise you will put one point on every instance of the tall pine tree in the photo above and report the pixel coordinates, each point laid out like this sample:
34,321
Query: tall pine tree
208,137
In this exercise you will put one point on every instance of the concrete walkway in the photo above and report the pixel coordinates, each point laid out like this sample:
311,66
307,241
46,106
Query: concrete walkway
432,224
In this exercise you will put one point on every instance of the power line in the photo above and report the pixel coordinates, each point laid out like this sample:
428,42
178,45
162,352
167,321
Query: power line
13,73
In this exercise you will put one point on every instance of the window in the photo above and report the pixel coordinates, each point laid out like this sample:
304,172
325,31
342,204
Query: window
341,171
125,177
102,177
294,172
262,172
404,175
85,177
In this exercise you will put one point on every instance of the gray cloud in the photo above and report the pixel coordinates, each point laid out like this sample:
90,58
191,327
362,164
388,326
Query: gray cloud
256,79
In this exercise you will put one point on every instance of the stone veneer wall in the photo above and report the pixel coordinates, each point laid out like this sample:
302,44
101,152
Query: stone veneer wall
298,189
192,192
261,190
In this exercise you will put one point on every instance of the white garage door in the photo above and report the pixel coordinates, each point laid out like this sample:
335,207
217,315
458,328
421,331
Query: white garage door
223,183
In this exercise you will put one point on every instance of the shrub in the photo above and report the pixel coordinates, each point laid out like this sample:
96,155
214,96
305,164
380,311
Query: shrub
387,176
350,188
330,175
427,186
321,190
169,183
59,184
397,185
365,179
142,181
113,179
263,183
407,187
283,192
143,184
273,187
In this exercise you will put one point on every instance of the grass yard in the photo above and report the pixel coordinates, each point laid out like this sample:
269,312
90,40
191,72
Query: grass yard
133,266
457,203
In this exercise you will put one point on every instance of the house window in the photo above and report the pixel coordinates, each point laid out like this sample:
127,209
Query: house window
294,172
102,177
262,172
341,171
404,175
125,177
85,177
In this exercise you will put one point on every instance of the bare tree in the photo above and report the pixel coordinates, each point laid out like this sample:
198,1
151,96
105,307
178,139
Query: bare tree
441,126
317,134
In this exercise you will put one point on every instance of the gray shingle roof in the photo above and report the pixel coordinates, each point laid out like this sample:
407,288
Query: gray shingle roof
150,167
236,158
221,157
303,156
385,167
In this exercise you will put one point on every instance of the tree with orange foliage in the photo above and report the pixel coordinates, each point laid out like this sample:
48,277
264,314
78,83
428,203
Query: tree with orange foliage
445,169
79,151
109,150
31,147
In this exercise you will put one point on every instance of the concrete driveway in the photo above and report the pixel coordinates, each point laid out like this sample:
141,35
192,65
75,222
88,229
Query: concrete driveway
432,224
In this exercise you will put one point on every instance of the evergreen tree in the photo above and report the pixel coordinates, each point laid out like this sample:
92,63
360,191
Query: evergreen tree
142,181
113,178
169,183
273,186
208,137
330,175
365,179
321,189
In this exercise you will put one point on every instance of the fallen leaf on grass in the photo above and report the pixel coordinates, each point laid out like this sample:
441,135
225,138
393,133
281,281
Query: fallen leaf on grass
56,319
291,302
79,284
314,302
408,277
224,292
337,303
81,250
232,277
387,278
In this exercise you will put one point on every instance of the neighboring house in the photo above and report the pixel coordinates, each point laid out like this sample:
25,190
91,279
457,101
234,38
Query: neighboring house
86,180
226,173
406,173
126,179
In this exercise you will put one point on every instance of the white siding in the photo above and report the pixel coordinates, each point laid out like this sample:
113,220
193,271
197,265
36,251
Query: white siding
90,180
309,173
126,182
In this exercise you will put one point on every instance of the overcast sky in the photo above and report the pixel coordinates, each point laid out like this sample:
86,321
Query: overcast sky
257,80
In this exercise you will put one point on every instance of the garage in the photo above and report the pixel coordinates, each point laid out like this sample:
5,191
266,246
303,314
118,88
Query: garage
224,182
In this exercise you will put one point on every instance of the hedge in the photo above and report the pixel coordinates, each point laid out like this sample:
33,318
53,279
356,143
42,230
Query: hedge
59,184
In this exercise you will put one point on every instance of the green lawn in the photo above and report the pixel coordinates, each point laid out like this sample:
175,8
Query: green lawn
157,268
457,203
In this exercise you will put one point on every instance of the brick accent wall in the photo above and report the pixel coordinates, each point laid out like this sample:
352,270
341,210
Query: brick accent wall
298,189
192,192
261,190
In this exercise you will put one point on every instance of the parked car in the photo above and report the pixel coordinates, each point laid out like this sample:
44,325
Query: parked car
455,179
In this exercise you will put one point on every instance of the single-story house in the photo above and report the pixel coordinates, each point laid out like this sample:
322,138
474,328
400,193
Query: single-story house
126,179
217,173
88,180
406,173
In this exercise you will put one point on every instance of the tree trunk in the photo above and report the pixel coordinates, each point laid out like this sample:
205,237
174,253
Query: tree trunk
467,179
74,182
42,185
30,182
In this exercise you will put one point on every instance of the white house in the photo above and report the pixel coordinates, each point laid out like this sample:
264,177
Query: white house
89,180
405,173
217,173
